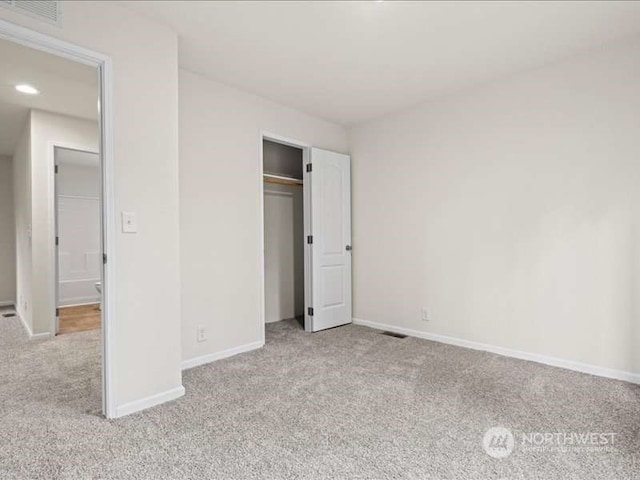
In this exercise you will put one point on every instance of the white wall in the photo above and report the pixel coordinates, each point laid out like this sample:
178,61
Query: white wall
7,234
79,252
220,137
49,129
283,251
511,212
146,331
22,215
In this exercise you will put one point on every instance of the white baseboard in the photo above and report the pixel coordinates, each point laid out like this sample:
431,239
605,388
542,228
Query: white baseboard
212,357
148,402
32,336
40,336
507,352
7,303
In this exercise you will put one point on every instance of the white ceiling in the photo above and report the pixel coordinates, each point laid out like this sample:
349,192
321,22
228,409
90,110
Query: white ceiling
353,61
66,87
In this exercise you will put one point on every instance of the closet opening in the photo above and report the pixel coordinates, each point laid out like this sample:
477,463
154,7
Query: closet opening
305,196
285,285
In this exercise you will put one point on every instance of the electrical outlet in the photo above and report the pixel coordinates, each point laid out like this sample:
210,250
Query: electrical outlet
202,334
424,315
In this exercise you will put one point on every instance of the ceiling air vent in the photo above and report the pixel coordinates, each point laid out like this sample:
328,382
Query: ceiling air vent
47,11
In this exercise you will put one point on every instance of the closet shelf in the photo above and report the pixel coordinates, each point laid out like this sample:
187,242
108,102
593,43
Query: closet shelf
278,179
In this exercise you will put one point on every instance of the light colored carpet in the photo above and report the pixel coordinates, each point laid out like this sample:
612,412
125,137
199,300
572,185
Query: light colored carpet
345,403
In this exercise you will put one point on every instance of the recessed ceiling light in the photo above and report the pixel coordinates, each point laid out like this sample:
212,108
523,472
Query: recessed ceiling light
28,89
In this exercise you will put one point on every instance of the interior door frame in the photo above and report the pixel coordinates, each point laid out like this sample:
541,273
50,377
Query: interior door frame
103,63
306,194
52,146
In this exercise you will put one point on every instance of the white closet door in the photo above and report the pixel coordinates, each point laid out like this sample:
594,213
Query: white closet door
330,180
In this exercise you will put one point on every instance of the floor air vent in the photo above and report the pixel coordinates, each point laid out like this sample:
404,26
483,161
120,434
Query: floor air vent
393,334
46,10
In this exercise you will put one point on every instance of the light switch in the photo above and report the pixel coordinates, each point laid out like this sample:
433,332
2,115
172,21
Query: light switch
129,222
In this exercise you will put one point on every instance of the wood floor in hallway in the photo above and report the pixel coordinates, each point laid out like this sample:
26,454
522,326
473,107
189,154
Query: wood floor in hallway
80,318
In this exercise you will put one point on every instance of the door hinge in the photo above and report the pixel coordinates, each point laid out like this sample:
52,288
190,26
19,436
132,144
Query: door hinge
57,312
309,239
308,167
56,169
310,311
104,258
57,241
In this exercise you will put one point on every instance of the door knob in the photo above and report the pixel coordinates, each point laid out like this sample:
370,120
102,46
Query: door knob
349,248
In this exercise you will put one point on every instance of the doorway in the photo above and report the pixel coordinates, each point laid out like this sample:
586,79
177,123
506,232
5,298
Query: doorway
306,234
283,232
78,229
35,221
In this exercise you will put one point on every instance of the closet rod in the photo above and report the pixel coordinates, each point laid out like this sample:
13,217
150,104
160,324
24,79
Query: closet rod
269,178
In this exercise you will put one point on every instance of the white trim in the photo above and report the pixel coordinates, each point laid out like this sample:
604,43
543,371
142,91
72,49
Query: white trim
80,302
148,402
212,357
7,303
40,336
262,314
283,140
107,147
46,43
508,352
308,251
78,197
76,280
32,336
